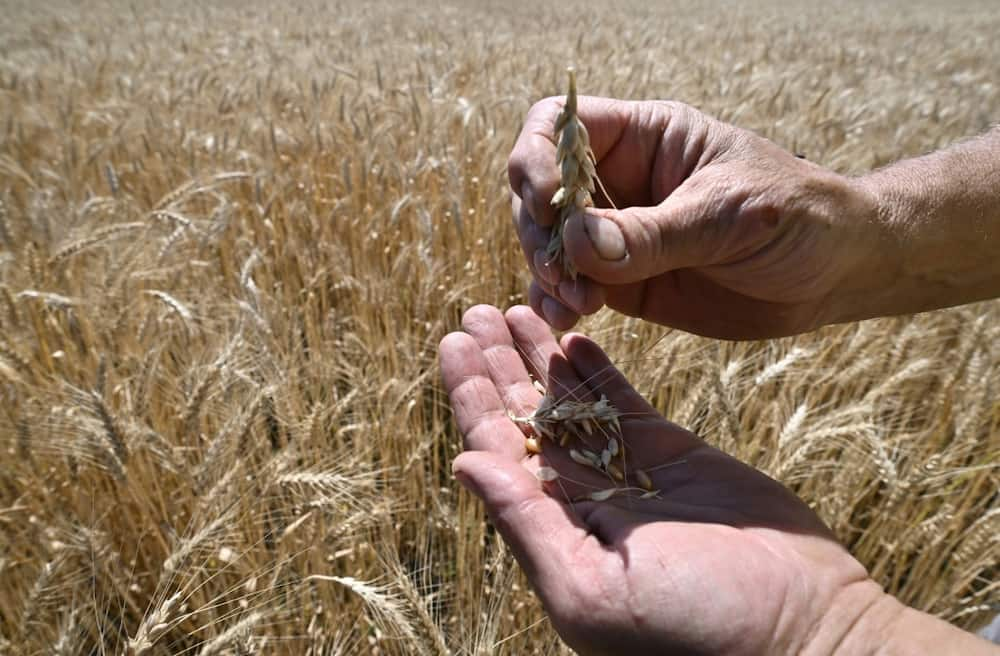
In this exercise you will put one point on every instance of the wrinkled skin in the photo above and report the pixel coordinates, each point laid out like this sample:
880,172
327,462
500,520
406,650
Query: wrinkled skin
725,561
723,233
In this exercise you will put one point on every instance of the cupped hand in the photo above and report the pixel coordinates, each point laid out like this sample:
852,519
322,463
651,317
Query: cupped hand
719,232
723,560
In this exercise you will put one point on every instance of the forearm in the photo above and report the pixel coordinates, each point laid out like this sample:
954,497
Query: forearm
865,621
919,633
938,218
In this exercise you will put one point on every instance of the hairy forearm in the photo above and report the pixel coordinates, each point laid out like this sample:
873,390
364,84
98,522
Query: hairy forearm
938,218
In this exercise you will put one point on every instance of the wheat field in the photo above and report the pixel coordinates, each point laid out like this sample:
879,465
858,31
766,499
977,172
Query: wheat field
231,237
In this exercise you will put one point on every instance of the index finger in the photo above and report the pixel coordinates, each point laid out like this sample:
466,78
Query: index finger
478,409
546,536
532,169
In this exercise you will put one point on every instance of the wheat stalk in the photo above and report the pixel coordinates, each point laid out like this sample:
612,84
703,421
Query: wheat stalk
577,171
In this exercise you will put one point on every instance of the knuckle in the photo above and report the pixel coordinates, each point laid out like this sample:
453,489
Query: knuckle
520,157
507,517
547,105
516,167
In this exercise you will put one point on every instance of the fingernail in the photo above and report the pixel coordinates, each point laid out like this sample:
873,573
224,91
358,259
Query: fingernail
550,308
573,293
606,237
546,268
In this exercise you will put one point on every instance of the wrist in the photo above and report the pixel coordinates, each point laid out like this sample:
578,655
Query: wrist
863,620
939,220
857,621
869,252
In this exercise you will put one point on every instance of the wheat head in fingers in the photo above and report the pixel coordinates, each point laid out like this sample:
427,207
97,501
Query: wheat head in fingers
575,160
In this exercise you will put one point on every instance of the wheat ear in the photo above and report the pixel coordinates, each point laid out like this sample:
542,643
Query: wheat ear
153,627
575,160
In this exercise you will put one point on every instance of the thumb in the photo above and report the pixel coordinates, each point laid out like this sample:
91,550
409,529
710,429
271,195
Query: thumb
636,243
540,530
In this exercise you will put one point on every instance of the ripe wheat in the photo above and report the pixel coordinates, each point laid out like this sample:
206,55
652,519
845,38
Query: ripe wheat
577,171
262,220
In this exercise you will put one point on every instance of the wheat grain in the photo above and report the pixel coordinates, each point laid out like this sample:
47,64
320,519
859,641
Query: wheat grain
546,474
584,459
645,482
604,495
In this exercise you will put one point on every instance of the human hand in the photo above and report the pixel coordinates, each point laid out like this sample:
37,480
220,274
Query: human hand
725,560
721,232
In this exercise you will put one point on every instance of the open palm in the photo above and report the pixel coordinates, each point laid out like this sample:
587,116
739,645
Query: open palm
723,560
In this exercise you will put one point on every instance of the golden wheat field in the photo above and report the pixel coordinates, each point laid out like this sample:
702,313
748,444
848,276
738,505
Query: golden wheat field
232,235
